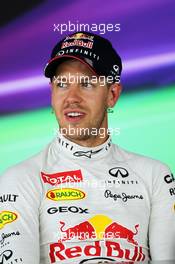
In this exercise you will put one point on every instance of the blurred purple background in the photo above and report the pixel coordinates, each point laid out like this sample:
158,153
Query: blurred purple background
146,43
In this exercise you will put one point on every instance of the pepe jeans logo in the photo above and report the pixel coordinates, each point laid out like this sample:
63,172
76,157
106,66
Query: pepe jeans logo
119,172
6,236
122,196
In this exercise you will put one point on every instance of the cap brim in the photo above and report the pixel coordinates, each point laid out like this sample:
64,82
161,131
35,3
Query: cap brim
51,66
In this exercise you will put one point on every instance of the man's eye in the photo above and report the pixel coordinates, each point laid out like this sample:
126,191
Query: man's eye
87,85
61,85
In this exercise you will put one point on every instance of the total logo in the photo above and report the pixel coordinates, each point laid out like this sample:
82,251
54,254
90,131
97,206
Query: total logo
121,176
62,177
67,209
7,217
65,194
101,228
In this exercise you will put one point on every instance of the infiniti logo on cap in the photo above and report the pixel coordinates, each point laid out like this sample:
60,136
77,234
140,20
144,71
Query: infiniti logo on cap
119,171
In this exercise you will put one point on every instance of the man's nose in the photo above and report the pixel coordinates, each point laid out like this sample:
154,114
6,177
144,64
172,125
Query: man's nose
73,95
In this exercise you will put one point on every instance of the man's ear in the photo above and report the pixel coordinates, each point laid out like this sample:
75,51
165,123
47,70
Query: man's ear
114,93
51,83
51,93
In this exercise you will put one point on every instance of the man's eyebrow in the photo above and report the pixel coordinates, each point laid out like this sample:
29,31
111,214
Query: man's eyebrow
59,77
86,78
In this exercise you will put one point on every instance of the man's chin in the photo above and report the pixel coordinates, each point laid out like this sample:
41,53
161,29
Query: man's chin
76,133
77,137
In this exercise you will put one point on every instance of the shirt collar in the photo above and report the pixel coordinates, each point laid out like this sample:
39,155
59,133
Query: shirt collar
76,151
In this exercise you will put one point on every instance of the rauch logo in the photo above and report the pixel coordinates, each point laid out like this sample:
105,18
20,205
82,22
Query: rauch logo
7,217
65,194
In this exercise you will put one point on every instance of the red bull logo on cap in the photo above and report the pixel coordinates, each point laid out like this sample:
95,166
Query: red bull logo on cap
80,36
79,43
99,229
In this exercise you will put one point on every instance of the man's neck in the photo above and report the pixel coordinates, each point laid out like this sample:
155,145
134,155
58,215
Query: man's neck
89,141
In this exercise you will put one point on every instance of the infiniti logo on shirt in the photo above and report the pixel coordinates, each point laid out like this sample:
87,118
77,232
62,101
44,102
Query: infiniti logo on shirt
119,172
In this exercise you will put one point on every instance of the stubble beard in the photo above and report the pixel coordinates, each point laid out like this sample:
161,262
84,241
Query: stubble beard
90,132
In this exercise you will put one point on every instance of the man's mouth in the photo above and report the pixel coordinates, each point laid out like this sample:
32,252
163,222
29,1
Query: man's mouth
74,116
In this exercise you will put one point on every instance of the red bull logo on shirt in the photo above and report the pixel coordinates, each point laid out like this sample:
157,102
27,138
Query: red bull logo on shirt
62,177
7,217
103,237
65,194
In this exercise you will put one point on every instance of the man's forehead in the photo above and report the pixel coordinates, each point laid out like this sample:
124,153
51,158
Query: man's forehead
73,67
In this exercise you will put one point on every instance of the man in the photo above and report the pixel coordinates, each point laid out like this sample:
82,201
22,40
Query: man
83,199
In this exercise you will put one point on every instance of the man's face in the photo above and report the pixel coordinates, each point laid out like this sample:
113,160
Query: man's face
79,104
